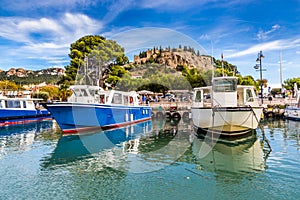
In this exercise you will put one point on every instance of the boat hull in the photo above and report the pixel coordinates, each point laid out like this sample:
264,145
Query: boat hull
10,114
292,113
231,121
77,117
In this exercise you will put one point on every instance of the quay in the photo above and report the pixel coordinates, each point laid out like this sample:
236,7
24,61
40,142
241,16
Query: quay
171,110
181,110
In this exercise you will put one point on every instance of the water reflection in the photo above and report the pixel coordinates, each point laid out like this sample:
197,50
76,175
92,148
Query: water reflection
22,136
136,148
289,131
74,147
242,155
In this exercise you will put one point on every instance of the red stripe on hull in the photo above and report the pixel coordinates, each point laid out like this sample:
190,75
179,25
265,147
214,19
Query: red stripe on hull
7,123
79,130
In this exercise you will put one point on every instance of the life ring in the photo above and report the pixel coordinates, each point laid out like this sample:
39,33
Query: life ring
176,115
168,115
159,115
186,116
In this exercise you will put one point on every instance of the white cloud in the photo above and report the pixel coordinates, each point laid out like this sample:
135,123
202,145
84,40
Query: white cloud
46,36
268,46
262,35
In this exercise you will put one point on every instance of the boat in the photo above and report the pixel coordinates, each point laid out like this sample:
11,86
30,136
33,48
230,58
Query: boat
20,110
225,108
292,111
90,107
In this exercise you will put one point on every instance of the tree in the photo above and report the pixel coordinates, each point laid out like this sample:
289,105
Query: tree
8,85
41,95
52,91
79,49
98,50
289,83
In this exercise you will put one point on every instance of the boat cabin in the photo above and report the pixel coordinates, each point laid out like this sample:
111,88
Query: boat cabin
225,93
95,94
13,103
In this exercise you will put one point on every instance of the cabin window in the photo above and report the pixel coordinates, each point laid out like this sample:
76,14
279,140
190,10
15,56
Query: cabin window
225,85
198,97
126,101
83,91
249,96
24,104
102,98
0,104
92,92
117,98
12,104
77,92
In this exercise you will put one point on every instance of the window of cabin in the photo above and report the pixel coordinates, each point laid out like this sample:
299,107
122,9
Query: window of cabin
126,100
249,95
117,98
24,104
77,92
12,104
0,104
102,98
225,85
92,92
83,91
198,97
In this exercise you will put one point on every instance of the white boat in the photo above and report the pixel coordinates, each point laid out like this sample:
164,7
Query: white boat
292,111
225,107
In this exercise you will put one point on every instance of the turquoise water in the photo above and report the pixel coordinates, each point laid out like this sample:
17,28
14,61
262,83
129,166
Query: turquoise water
151,160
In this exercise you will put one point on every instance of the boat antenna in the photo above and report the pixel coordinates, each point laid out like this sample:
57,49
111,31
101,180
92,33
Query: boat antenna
222,64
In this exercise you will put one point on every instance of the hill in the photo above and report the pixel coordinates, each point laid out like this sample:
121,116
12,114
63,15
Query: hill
172,58
23,76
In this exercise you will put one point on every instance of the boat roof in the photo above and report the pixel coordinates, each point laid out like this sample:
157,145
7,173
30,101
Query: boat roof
209,87
225,77
86,87
20,99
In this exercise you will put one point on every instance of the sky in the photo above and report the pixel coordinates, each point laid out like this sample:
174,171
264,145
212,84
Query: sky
37,34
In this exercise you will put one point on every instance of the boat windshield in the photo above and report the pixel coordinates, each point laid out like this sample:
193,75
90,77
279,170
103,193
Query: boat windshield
225,85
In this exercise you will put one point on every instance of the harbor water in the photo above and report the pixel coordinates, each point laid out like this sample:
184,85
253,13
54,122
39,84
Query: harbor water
151,160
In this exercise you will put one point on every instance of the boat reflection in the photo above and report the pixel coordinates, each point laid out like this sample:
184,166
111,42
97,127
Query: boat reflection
22,136
241,155
136,148
75,147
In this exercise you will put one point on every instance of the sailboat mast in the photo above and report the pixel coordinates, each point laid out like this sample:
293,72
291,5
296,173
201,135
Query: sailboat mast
222,64
280,68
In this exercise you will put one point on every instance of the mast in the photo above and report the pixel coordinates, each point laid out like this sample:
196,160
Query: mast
212,63
280,62
222,64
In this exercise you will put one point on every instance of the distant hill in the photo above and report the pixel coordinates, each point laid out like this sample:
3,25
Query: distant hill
23,76
172,58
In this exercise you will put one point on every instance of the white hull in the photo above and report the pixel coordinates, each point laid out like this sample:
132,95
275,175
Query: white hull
232,120
292,113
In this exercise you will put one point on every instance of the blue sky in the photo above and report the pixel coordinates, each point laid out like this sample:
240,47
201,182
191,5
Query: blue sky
36,34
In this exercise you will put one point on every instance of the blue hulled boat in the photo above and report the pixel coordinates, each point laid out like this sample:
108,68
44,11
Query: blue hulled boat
15,110
92,108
